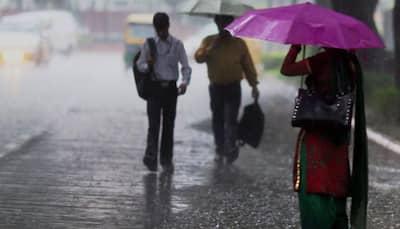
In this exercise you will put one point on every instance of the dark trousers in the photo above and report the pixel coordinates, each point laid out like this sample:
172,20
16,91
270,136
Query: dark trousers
225,104
161,106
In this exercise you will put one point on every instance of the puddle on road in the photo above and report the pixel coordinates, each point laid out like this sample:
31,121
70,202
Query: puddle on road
385,169
386,186
384,178
162,191
178,204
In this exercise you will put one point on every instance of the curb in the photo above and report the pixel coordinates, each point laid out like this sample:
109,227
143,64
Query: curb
383,141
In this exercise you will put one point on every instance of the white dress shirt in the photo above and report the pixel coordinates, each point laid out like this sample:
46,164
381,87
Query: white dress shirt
170,52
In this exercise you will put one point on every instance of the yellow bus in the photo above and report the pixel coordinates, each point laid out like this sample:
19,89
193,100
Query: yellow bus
138,27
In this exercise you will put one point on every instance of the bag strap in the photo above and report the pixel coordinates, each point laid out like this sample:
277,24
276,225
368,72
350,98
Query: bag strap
153,47
303,76
153,53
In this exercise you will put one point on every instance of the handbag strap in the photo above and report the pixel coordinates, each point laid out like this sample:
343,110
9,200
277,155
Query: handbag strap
153,47
303,76
153,52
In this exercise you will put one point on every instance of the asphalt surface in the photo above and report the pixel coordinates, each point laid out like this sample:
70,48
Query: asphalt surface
74,135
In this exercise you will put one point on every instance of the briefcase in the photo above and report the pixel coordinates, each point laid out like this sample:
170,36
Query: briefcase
251,125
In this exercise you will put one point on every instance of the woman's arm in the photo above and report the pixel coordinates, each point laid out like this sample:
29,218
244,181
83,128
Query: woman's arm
292,68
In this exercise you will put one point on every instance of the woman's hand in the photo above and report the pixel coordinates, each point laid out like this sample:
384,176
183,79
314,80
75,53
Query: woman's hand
297,48
292,68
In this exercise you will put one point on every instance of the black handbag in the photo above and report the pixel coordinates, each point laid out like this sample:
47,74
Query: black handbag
251,125
315,110
333,110
145,81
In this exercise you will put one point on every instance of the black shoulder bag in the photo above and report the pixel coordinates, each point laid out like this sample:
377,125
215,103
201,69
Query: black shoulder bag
313,109
145,80
251,125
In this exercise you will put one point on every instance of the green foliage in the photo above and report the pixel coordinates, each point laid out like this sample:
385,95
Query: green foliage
386,103
375,80
273,60
382,97
272,65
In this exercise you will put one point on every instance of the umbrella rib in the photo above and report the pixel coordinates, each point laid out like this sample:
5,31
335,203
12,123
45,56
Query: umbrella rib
342,37
292,22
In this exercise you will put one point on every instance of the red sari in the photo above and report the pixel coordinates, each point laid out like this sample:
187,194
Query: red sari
327,170
321,171
327,161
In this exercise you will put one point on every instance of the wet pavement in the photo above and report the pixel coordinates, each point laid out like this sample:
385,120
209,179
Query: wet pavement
75,138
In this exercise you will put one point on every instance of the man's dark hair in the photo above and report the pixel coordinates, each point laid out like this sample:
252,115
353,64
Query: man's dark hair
223,19
161,20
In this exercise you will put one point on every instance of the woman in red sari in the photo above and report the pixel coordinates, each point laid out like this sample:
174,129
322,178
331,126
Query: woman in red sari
321,166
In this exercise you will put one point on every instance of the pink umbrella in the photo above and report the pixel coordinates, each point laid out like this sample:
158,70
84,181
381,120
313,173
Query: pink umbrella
307,24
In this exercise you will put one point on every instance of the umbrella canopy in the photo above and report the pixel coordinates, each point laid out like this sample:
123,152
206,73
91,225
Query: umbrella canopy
307,24
210,8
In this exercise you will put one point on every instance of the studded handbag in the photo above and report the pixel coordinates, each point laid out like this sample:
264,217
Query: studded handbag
333,110
313,110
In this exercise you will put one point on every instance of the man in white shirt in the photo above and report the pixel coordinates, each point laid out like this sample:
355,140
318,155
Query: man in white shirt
169,52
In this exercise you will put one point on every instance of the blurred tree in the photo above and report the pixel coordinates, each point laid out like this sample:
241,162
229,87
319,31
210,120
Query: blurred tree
364,10
173,2
59,4
396,34
361,9
18,4
40,3
326,3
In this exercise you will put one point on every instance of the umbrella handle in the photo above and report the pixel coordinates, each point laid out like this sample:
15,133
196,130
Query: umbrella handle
303,76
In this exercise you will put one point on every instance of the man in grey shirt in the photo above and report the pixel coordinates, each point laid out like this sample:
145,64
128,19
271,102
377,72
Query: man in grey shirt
169,53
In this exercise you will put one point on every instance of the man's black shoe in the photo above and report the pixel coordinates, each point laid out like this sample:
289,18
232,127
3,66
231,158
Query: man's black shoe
219,159
168,167
232,156
150,163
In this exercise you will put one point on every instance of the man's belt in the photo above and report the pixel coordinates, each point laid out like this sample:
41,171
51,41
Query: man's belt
166,83
225,85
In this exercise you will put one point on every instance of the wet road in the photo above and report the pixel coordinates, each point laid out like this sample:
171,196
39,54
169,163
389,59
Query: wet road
73,138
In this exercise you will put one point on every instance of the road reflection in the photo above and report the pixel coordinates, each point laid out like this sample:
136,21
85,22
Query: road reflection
229,177
11,75
157,199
